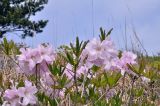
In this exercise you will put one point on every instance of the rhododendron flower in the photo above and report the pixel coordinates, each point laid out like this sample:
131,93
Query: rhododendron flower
32,60
127,58
11,97
29,57
95,51
99,53
61,94
21,96
27,93
47,54
83,70
48,91
69,72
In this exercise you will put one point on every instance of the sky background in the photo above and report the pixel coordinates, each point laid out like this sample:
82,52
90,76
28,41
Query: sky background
83,18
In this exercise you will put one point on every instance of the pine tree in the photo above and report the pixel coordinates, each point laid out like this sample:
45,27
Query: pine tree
15,16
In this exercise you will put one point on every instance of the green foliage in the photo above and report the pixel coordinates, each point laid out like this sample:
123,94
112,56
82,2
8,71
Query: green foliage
21,83
73,53
56,69
46,100
9,47
106,79
15,16
104,35
79,46
95,68
70,58
116,100
112,78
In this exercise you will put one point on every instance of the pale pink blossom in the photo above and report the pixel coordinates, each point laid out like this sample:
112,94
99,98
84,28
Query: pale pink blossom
28,94
62,93
21,96
95,51
29,57
127,58
11,97
37,59
99,53
81,70
28,98
69,71
47,54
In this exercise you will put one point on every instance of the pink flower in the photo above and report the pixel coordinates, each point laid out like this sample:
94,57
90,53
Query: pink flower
95,52
11,96
62,93
32,60
50,92
28,93
69,71
81,70
99,53
21,96
127,58
47,54
29,57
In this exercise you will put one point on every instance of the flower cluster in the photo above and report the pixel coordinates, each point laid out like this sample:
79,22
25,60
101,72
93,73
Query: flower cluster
82,70
127,58
21,96
31,60
100,53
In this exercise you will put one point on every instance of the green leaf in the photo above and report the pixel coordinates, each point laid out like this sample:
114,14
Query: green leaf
103,35
95,68
21,83
109,32
63,81
84,45
77,47
70,58
112,78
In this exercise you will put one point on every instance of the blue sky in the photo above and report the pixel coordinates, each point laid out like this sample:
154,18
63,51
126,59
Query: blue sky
71,18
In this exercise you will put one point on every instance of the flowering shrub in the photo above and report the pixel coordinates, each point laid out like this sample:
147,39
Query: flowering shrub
85,73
